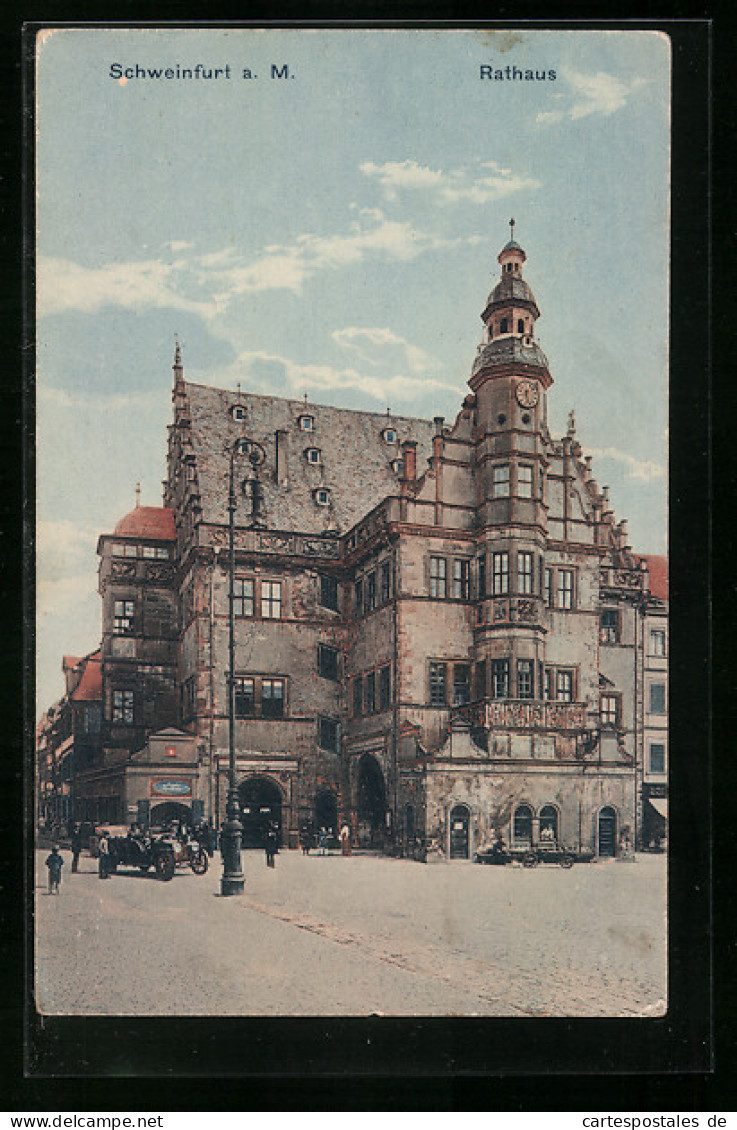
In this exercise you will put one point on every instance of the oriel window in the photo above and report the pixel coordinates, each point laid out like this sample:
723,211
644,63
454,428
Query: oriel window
123,617
565,588
124,708
525,678
500,582
500,678
524,480
524,573
461,579
500,481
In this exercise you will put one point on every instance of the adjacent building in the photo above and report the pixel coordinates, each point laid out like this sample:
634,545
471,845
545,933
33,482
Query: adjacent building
441,632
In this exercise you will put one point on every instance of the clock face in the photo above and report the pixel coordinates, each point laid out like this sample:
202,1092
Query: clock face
527,393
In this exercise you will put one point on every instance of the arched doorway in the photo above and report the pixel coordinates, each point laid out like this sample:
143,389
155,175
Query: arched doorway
326,811
549,823
522,827
371,801
169,810
460,824
607,832
260,801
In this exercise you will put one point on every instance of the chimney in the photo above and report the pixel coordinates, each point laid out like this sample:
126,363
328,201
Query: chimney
439,422
280,471
409,460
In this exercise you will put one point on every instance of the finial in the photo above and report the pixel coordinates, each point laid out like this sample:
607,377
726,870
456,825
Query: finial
388,410
238,386
304,396
177,352
571,423
511,228
138,495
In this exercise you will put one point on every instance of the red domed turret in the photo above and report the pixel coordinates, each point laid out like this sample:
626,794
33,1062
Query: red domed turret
152,522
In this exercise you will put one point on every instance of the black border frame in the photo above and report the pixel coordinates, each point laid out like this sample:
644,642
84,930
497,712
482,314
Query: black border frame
438,1051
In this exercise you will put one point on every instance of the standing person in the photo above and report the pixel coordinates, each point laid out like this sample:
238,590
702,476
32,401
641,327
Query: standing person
322,842
54,862
345,840
103,862
76,840
272,845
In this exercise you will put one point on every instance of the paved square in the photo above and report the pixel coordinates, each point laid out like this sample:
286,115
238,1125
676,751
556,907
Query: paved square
341,936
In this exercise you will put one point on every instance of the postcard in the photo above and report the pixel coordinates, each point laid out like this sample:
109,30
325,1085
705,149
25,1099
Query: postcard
352,565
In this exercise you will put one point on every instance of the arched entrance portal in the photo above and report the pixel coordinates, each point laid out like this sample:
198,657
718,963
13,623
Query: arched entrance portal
607,832
326,811
460,821
371,802
163,814
260,801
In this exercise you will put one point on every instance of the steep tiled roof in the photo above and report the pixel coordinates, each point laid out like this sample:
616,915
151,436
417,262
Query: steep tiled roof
658,573
355,460
155,522
90,685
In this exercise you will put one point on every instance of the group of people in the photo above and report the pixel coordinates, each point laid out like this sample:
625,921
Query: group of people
321,839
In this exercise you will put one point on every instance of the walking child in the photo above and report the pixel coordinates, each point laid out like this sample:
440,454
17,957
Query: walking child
54,862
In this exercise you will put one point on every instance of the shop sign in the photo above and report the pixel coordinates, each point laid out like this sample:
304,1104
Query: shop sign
167,786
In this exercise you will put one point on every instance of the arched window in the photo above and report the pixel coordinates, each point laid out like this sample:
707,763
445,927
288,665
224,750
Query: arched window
522,826
548,824
520,325
503,326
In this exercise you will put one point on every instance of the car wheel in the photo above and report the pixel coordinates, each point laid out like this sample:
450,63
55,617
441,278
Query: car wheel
165,866
529,859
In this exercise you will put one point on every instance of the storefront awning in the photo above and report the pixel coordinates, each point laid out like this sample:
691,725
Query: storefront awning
660,806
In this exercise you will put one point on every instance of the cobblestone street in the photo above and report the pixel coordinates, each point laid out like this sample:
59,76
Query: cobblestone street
356,936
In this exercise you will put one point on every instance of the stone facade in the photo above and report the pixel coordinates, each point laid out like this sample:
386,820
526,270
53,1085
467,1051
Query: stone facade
438,630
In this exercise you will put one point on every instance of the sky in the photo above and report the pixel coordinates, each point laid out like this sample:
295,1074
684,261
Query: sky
334,233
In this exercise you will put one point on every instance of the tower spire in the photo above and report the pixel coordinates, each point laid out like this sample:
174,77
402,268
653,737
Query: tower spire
511,228
138,495
177,366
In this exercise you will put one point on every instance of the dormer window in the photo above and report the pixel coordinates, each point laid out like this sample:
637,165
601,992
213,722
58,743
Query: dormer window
306,423
313,455
389,435
243,446
321,496
397,466
238,413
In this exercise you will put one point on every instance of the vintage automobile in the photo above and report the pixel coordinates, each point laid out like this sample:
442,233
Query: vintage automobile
164,852
532,856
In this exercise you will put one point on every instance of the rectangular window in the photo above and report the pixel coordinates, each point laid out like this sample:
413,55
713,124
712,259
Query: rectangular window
189,690
525,678
148,551
657,758
386,580
481,575
480,679
657,642
549,683
385,687
271,600
500,481
244,599
329,592
609,625
438,583
461,579
244,697
328,734
524,573
123,708
500,579
123,616
564,684
161,552
327,661
657,698
437,684
548,589
358,695
500,678
371,592
130,550
461,683
272,698
609,710
358,598
565,588
524,480
371,692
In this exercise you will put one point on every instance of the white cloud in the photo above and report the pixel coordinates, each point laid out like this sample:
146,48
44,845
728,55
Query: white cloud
601,93
644,469
311,378
54,399
64,285
473,186
365,338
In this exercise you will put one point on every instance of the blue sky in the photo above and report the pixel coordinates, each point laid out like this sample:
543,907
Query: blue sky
335,233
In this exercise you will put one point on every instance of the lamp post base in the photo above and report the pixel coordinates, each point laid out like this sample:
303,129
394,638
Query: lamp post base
233,881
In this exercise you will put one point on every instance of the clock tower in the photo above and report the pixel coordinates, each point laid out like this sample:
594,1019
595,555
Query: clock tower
510,378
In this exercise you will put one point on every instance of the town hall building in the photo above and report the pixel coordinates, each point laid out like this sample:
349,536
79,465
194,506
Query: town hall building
441,632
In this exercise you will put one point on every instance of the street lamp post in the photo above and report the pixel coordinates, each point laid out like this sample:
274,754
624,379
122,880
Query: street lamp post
233,882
